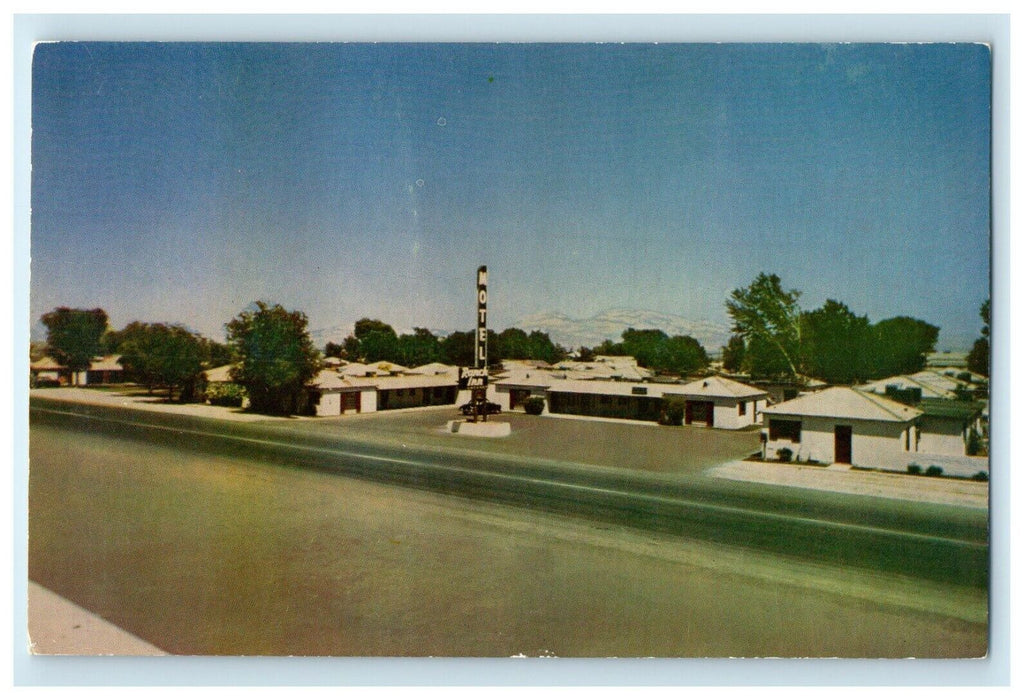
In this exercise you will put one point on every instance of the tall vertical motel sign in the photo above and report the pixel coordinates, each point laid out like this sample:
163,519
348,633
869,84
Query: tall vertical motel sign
477,377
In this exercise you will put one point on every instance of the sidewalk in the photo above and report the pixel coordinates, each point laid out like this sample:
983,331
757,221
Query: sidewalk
961,492
58,626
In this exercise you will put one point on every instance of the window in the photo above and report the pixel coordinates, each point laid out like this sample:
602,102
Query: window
639,390
786,430
741,406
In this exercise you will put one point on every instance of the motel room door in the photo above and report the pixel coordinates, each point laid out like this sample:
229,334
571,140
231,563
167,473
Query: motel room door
843,444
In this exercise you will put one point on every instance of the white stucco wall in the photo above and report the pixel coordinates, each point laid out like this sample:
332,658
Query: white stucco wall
369,400
328,405
943,437
874,443
725,413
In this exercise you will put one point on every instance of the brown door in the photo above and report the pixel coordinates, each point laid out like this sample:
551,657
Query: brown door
710,413
843,444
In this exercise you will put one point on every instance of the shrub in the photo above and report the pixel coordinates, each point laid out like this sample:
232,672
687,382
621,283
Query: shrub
934,470
534,405
973,443
673,409
225,394
784,454
914,469
980,476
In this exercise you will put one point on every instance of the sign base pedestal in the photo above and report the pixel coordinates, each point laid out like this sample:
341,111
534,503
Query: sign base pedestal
479,429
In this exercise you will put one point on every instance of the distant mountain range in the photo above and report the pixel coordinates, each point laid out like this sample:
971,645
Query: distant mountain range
573,333
609,325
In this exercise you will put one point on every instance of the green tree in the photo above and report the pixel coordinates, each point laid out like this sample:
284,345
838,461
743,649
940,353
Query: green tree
767,316
457,348
333,350
74,335
377,341
277,357
609,347
979,359
682,355
836,344
352,349
215,354
900,345
645,345
585,354
418,348
734,354
513,344
541,347
158,355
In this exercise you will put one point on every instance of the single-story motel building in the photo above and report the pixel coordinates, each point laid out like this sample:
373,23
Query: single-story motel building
102,370
845,425
842,425
715,402
331,394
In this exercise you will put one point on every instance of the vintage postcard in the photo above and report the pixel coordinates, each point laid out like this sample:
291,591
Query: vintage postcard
510,349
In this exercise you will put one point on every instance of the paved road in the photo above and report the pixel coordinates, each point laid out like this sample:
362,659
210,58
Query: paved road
241,553
937,542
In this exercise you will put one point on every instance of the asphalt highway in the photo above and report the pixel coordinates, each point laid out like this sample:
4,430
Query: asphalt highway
941,543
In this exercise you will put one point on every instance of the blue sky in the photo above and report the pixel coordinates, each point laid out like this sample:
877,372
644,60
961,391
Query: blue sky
179,182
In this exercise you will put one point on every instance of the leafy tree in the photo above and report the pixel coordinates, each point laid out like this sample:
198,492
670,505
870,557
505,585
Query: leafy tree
608,347
333,350
767,315
277,357
377,341
836,344
585,354
734,354
979,359
158,355
764,359
365,326
379,346
900,345
681,354
540,347
457,348
418,348
215,354
980,356
352,349
74,335
513,344
645,345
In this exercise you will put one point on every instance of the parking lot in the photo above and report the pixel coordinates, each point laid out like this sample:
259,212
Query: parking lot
609,443
620,444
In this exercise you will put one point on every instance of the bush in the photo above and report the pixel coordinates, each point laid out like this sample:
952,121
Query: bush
980,476
673,409
534,405
784,454
225,394
934,470
914,469
973,443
